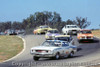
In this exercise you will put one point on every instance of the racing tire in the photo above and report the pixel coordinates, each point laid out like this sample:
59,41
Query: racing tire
64,34
35,58
79,41
57,56
71,54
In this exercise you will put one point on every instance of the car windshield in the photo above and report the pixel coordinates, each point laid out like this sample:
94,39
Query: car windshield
43,26
63,38
72,27
53,31
51,43
85,32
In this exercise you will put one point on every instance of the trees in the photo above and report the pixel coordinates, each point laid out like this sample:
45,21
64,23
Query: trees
51,19
5,25
82,22
42,18
16,25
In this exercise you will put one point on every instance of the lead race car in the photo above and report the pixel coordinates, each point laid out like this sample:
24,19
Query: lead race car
53,49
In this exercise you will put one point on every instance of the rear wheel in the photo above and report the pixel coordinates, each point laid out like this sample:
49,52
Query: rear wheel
35,58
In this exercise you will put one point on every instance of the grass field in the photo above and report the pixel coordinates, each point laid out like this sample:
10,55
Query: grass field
96,33
10,46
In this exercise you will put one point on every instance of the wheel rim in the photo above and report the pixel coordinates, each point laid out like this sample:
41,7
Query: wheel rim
57,56
71,54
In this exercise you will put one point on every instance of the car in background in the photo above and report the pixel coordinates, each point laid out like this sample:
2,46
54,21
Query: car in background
53,49
41,29
85,35
10,32
20,31
2,33
67,38
70,29
51,34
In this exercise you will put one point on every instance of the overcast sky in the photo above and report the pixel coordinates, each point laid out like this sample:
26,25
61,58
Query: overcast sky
17,10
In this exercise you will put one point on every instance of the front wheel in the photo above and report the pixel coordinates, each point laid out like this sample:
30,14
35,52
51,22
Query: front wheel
71,54
35,58
79,41
57,56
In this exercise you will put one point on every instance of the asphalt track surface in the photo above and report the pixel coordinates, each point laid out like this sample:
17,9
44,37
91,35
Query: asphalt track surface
88,52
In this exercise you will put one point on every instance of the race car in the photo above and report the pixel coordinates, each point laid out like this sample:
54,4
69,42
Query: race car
53,49
70,29
85,35
51,34
41,29
67,38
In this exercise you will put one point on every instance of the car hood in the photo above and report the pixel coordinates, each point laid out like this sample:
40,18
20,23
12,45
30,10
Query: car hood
73,28
86,35
44,48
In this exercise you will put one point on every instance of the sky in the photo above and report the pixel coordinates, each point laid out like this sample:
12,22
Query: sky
17,10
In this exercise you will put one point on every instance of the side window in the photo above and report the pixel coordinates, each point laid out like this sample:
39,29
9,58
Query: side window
57,44
64,44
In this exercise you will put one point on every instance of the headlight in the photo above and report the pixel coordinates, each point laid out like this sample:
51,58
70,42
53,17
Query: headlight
49,51
80,37
32,50
46,36
70,31
91,37
53,34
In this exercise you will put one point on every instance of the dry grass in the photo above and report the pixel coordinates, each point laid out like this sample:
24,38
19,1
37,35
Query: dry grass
96,33
9,46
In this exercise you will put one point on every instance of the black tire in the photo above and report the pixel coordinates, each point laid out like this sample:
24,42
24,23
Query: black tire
79,41
57,56
64,34
92,41
35,58
71,54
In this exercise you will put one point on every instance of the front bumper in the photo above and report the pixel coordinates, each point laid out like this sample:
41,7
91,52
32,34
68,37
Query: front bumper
50,37
86,38
72,32
43,55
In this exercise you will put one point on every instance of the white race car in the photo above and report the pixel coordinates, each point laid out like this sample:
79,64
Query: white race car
53,49
70,29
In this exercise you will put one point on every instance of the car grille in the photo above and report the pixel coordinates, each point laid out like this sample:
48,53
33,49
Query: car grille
40,51
83,37
50,37
88,37
74,30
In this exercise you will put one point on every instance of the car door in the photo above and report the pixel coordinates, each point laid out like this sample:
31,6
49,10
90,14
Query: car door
60,48
66,48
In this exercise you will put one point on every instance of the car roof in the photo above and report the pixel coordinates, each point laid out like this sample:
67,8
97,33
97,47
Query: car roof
71,25
62,36
55,40
42,25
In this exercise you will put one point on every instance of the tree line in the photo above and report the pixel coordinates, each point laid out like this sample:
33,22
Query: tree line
52,19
